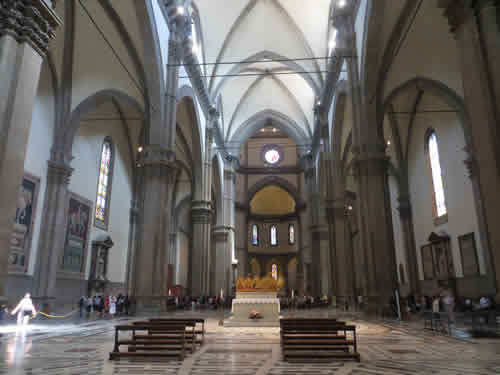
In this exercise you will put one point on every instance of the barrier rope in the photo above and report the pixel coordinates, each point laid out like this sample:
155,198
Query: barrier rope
57,316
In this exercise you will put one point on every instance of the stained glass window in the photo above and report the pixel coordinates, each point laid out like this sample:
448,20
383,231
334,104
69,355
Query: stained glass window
291,234
437,179
274,271
274,236
272,156
104,184
255,235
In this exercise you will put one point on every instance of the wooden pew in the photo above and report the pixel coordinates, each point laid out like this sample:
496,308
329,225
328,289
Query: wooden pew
171,343
317,340
157,333
197,330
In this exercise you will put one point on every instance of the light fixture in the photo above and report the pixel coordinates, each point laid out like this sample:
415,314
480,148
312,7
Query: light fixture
342,3
275,130
262,130
140,149
388,142
180,10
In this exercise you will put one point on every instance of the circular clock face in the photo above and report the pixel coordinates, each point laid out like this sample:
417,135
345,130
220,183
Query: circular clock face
272,156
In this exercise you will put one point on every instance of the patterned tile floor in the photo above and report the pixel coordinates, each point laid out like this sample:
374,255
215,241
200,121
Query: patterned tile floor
385,347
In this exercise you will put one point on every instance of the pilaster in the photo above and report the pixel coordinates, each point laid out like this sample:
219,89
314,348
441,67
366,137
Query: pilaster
26,27
201,214
476,31
52,232
406,216
157,171
376,225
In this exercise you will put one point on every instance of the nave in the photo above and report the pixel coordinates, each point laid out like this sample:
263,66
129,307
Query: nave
385,347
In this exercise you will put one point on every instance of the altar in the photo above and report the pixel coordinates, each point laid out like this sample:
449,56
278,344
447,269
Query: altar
254,306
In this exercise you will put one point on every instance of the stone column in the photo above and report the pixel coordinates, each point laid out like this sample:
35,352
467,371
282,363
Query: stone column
406,216
377,227
131,254
475,33
222,267
51,241
201,214
157,173
26,27
488,18
320,255
230,167
202,221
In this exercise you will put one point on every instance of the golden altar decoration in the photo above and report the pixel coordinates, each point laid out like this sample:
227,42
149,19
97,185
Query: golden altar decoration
265,284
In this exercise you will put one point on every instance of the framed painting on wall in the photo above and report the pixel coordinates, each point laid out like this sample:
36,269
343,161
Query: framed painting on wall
77,231
468,252
427,262
20,240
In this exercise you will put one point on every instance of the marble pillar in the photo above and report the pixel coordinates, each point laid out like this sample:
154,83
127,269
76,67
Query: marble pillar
52,240
26,27
474,31
378,246
157,173
201,214
221,238
230,167
202,211
405,214
131,253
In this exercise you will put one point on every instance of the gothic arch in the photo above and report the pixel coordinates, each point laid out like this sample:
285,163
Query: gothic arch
64,142
276,181
266,117
439,89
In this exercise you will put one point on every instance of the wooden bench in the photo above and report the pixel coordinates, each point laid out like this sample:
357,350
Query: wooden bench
157,333
317,340
197,330
171,343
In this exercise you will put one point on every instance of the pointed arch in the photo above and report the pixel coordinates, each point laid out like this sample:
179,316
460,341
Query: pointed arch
266,117
64,148
239,68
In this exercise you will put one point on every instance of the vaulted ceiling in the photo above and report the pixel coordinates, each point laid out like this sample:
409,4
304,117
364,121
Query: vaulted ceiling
238,33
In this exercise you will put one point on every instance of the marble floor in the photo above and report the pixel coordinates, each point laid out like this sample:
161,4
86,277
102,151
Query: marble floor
385,348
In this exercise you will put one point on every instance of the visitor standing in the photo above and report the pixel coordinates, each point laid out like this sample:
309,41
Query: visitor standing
24,310
81,305
112,306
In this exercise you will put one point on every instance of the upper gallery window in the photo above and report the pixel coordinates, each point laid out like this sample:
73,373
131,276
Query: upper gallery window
255,235
438,196
272,155
291,234
274,271
104,184
274,235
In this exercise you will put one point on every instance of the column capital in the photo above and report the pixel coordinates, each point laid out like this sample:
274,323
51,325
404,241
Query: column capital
201,212
457,12
221,233
59,172
156,155
30,21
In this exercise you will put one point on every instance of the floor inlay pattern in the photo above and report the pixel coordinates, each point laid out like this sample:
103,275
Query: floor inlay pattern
387,348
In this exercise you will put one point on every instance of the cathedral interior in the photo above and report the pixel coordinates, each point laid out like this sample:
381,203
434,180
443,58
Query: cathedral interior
165,150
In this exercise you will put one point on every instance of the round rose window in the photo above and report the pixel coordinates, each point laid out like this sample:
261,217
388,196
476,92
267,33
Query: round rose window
272,156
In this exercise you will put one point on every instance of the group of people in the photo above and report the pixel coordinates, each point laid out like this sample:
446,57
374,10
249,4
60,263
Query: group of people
100,306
